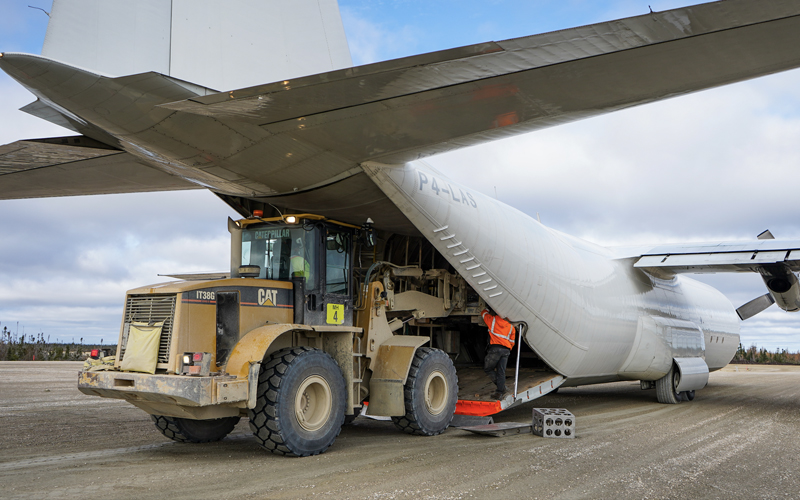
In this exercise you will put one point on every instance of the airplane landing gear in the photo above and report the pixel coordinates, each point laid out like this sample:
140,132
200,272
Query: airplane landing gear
665,387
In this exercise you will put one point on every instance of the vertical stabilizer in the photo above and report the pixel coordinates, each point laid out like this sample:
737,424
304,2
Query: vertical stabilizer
113,37
218,44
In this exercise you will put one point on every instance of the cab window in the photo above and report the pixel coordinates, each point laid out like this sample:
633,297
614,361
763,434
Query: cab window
337,258
282,253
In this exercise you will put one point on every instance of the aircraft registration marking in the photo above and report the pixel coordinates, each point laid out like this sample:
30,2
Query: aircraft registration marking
431,184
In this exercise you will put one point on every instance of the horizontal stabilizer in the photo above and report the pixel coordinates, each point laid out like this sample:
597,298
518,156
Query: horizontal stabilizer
719,257
766,235
47,113
401,110
73,166
755,306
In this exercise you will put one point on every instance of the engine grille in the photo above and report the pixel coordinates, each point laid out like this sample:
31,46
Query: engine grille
150,309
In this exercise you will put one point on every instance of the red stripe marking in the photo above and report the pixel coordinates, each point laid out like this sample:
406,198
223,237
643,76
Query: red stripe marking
253,304
477,408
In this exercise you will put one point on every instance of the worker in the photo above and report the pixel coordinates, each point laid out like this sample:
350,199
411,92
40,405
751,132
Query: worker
501,340
298,265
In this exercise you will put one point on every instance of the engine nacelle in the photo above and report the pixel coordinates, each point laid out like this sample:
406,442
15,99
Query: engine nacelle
784,288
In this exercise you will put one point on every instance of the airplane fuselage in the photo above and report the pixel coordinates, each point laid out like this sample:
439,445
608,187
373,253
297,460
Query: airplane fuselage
590,316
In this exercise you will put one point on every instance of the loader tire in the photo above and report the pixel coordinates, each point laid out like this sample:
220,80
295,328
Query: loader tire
301,401
665,387
185,430
430,394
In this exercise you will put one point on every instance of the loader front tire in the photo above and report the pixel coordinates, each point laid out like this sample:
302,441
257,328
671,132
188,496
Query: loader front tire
185,430
301,401
430,394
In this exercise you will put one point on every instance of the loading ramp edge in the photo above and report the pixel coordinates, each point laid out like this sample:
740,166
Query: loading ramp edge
486,408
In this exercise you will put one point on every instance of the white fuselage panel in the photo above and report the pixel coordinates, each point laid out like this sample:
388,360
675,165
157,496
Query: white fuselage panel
590,317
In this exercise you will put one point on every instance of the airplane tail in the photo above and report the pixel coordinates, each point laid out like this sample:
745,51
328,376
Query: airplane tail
219,44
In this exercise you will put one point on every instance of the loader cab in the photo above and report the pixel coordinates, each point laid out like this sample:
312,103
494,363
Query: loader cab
315,255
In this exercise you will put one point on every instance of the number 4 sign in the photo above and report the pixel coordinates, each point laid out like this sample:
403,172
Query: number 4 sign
335,314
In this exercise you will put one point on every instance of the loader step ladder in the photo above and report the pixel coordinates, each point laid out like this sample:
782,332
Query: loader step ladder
357,380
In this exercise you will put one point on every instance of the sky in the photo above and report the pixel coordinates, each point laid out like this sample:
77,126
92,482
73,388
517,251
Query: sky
716,165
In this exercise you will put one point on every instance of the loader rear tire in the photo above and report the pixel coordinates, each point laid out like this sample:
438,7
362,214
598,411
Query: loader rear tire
301,401
430,394
185,430
665,387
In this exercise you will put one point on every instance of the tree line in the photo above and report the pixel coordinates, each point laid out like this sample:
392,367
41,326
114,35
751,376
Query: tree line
754,355
38,348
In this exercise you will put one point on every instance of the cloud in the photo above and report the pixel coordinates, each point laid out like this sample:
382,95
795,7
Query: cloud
17,125
720,164
66,263
372,41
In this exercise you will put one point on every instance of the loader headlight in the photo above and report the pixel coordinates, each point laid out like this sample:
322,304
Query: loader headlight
196,363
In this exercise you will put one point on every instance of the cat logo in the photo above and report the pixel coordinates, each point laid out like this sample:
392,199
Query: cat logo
267,297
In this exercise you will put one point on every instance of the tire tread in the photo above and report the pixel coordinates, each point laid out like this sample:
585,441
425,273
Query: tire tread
173,428
264,418
409,423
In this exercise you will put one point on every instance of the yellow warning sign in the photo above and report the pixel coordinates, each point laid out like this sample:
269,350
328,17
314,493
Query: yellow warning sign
335,314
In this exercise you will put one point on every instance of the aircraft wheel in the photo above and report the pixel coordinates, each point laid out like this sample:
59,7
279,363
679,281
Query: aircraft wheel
688,395
430,394
300,405
665,387
185,430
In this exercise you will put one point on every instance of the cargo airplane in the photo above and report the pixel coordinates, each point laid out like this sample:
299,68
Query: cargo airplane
261,106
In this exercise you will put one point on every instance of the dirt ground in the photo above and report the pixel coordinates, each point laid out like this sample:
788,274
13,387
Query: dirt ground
737,439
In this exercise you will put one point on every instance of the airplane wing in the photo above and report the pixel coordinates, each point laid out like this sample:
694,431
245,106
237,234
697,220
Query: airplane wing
721,257
276,142
68,166
776,261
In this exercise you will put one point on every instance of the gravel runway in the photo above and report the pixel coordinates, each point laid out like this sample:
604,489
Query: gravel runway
737,439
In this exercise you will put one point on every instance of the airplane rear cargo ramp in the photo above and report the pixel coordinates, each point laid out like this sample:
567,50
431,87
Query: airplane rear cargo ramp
474,389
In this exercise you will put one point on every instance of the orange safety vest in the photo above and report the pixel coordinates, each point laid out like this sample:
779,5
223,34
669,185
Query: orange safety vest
501,332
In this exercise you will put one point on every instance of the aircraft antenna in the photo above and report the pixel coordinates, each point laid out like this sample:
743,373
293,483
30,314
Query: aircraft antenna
39,8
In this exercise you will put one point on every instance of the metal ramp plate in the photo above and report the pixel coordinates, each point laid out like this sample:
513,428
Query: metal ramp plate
501,429
470,421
